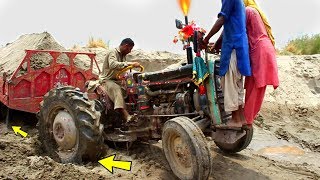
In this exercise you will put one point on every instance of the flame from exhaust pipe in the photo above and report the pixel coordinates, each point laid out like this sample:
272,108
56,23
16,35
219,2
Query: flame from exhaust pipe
184,6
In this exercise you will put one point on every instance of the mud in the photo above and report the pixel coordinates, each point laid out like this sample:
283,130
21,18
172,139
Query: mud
23,158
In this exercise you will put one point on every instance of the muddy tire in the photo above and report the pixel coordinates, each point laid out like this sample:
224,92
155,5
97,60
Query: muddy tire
238,146
69,126
186,149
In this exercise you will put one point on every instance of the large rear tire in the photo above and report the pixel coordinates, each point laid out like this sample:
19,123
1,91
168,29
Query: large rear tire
186,149
69,126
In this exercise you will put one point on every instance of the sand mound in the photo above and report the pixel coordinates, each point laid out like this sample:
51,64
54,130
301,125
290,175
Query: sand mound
152,61
293,110
157,60
13,53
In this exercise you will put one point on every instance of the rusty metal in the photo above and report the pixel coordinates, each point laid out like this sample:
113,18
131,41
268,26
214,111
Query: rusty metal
120,136
195,118
140,130
203,123
169,82
164,75
158,92
170,115
228,136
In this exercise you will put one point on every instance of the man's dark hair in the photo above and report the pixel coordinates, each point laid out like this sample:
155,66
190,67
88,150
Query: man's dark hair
127,41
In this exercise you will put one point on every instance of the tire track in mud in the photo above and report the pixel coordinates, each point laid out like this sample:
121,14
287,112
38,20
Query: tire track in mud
23,158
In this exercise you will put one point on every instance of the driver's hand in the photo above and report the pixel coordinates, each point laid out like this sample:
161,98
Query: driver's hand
134,64
204,43
216,48
100,90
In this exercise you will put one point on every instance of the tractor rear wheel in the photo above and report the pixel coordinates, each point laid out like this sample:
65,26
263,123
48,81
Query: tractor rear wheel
69,126
186,149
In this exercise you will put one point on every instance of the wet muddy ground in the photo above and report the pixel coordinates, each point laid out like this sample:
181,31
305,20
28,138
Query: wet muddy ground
267,157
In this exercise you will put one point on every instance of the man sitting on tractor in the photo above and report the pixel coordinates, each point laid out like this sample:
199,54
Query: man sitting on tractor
114,62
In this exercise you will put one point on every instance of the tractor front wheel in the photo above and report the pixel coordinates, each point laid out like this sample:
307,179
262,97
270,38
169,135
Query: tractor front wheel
186,149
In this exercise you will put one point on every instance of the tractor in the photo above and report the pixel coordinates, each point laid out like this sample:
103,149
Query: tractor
75,124
168,106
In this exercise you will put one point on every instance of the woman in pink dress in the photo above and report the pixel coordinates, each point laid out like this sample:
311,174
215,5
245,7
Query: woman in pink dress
262,59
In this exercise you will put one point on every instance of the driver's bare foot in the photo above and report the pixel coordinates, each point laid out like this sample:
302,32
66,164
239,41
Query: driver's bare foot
236,120
230,124
131,118
241,115
235,124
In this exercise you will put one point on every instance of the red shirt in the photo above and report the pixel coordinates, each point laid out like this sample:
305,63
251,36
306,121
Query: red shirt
262,52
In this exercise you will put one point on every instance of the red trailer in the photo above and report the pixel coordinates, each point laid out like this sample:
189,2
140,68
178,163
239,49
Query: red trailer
25,88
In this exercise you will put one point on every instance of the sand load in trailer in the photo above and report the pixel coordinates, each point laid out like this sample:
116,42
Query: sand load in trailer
34,64
13,53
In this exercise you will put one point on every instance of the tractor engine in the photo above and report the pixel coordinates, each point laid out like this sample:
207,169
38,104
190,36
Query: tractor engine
168,104
167,92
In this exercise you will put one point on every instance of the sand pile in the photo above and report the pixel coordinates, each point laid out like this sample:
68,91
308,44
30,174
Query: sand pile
152,61
13,53
293,110
157,60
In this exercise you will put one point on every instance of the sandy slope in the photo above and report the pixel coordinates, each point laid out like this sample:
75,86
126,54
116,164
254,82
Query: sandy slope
293,110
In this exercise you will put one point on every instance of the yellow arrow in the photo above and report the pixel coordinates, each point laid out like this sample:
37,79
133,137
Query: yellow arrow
109,163
17,129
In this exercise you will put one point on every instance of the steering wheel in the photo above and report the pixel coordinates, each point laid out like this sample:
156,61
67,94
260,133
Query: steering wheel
119,74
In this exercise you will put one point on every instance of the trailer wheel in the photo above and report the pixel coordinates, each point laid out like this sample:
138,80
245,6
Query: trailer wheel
69,126
238,146
3,111
186,149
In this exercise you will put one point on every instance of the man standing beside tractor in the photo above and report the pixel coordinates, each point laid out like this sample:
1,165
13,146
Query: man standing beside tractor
262,58
260,42
235,61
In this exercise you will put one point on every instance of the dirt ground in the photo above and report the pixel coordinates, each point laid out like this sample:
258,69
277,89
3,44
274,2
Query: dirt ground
22,158
285,145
